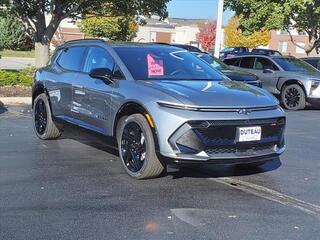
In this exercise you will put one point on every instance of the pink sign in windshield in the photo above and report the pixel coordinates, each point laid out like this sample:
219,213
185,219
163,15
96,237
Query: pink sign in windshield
155,66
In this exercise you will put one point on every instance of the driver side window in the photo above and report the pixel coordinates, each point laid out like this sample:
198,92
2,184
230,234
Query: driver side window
98,58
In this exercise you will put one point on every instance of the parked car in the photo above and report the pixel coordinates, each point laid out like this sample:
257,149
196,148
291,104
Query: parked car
235,75
161,104
268,52
294,80
314,61
233,51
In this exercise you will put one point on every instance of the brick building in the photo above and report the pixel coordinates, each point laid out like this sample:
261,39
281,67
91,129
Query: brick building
281,41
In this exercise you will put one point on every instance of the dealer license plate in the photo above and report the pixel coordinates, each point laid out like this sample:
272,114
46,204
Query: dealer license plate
248,134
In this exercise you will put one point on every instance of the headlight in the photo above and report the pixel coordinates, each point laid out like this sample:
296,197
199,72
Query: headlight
176,106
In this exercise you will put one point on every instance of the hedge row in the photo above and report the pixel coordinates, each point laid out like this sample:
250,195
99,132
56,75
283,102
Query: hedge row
17,78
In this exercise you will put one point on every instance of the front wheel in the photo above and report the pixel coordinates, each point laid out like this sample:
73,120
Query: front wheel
44,127
137,148
293,97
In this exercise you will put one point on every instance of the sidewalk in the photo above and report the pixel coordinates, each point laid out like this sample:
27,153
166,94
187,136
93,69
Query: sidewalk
16,63
15,101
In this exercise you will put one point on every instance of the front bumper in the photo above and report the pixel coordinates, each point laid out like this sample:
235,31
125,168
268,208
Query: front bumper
216,140
180,139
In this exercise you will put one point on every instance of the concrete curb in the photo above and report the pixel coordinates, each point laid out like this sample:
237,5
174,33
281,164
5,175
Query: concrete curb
15,101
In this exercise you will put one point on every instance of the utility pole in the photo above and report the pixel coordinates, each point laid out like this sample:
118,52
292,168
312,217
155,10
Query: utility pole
219,28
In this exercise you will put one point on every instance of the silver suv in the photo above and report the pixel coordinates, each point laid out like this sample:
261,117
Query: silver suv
162,104
294,80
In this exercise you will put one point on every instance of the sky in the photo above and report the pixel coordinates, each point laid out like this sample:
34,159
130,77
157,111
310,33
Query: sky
196,9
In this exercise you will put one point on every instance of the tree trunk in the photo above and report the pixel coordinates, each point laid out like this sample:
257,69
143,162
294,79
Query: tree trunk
41,54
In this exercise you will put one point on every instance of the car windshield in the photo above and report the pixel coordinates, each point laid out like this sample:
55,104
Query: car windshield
294,65
214,62
165,63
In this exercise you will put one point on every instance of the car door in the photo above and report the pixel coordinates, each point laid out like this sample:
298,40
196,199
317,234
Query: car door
64,69
92,97
267,72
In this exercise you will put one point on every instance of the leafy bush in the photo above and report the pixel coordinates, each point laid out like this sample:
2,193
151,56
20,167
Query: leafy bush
17,78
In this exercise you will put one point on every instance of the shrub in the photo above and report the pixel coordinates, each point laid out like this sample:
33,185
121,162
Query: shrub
17,78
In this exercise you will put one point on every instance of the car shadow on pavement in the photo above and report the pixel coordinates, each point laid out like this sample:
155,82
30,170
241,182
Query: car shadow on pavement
90,139
217,170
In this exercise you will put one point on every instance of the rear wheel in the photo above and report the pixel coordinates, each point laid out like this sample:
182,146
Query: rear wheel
137,148
293,97
44,127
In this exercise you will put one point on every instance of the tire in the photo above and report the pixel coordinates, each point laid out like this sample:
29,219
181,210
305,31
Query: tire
41,110
147,164
293,97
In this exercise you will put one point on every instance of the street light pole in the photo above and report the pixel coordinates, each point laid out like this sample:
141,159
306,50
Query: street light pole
219,29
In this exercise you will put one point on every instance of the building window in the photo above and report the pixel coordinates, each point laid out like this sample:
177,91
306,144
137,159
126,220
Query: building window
283,47
300,50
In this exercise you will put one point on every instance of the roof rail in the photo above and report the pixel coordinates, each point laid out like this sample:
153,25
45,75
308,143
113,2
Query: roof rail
86,39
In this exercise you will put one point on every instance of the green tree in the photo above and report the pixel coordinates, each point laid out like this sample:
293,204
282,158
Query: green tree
303,15
112,28
32,13
12,34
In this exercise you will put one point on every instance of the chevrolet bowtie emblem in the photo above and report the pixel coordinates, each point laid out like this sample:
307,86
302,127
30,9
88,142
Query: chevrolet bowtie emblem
244,111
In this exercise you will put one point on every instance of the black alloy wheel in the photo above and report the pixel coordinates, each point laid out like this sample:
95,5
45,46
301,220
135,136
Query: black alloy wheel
133,147
40,118
293,97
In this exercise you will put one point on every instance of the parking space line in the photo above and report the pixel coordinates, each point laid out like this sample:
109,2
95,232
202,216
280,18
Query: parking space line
269,194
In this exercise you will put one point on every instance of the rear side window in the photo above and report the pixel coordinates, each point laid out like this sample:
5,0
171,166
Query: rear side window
71,58
247,62
232,61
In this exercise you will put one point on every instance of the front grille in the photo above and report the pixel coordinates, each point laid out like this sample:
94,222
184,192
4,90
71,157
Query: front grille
242,151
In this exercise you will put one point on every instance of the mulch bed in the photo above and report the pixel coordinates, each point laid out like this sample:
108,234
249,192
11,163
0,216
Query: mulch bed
15,91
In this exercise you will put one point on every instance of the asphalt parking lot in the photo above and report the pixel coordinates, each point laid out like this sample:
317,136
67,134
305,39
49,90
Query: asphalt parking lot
69,189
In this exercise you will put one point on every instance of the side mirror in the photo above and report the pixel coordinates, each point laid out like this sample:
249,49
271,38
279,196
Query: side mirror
103,74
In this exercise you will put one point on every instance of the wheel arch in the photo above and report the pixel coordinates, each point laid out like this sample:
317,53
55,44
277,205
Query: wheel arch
292,81
39,89
130,108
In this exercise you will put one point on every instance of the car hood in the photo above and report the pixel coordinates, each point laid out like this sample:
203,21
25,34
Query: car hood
216,94
239,75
